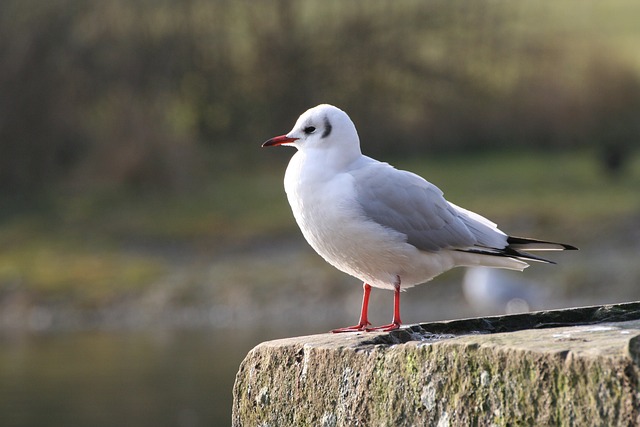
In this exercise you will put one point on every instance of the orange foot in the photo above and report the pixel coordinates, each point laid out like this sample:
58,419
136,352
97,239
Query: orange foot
385,328
362,326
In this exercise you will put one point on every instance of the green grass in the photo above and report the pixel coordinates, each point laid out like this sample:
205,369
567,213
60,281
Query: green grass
55,264
95,248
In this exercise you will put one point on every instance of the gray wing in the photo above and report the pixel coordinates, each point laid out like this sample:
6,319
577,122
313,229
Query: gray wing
408,204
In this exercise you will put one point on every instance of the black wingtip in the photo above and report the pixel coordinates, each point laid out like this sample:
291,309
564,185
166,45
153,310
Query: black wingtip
520,248
535,244
515,253
507,253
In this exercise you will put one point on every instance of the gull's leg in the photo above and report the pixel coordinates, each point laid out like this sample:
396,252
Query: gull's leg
364,319
396,322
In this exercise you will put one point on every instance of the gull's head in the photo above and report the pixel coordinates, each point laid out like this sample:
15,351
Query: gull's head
324,128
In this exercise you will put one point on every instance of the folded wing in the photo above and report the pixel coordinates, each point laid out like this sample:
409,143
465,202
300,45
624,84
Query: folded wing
406,203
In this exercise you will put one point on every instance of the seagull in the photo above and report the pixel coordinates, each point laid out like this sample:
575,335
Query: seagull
493,291
389,228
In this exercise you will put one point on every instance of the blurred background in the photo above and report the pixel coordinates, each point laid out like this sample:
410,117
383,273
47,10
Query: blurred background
146,243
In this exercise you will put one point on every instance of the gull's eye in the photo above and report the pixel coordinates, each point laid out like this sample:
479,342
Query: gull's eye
309,129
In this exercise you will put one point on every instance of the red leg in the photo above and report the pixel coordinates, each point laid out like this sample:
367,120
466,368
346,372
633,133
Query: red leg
364,318
396,322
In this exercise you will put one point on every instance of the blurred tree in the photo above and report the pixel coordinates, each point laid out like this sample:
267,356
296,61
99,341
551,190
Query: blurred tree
39,138
157,95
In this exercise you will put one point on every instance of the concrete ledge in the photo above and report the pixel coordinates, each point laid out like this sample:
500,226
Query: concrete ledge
563,367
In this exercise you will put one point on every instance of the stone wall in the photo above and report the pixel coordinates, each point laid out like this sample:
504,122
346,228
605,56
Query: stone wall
563,367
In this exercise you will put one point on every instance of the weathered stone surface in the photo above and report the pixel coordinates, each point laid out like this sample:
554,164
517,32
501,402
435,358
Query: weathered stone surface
563,367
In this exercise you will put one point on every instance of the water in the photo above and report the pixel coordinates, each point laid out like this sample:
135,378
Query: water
181,373
164,378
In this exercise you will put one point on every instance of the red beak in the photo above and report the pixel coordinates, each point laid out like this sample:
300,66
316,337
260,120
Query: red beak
278,140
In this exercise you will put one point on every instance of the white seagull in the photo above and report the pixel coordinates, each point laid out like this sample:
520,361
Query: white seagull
387,227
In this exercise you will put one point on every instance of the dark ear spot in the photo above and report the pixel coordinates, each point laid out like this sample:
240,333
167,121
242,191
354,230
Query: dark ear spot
327,128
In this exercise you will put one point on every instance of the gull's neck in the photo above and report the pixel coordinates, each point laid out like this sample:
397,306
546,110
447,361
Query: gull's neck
330,160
